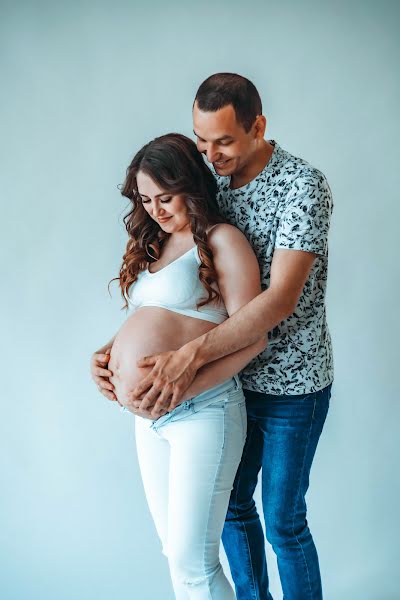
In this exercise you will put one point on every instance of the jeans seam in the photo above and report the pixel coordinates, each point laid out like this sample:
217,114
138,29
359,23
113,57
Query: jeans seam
298,494
209,508
244,527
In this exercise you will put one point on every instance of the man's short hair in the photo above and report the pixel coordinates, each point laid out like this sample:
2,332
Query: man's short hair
222,89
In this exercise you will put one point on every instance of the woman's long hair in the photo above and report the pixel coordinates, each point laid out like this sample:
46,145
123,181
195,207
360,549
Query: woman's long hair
173,162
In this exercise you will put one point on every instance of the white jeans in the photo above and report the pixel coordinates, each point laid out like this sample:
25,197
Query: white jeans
188,461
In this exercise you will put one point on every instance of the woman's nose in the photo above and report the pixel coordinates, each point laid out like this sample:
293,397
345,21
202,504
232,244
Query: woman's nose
157,210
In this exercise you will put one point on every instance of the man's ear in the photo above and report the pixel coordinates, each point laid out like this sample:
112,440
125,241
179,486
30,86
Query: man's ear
260,126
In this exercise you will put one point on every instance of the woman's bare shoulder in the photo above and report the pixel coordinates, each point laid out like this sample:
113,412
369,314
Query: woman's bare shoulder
224,235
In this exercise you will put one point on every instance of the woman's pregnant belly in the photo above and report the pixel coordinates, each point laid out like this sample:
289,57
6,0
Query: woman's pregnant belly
147,331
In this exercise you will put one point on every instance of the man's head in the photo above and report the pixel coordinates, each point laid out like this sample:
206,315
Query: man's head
228,121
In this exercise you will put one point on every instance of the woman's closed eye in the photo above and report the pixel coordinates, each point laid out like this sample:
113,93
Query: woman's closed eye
163,200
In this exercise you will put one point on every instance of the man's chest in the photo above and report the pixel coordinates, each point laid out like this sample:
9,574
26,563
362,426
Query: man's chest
258,216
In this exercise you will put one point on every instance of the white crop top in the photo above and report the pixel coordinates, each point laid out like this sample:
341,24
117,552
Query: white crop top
177,287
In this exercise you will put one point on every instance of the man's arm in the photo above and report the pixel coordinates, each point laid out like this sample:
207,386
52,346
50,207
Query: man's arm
289,272
220,370
208,376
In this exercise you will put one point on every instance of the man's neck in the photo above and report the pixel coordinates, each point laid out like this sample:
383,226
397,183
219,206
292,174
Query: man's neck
254,167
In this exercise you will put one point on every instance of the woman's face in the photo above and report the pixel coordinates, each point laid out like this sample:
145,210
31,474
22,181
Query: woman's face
168,210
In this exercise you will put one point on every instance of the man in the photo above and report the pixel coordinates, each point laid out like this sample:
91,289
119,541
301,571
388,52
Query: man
283,206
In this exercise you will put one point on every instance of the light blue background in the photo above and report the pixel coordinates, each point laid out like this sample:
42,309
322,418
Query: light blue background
84,85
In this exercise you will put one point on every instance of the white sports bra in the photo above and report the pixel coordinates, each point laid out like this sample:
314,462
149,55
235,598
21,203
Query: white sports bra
177,288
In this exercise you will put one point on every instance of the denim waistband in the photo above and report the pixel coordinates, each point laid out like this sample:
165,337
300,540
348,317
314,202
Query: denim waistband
198,402
227,386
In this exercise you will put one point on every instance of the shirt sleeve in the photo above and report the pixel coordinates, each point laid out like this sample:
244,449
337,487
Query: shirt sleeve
304,224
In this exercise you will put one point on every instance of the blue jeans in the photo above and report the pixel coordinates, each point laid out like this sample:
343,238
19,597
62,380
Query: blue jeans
282,436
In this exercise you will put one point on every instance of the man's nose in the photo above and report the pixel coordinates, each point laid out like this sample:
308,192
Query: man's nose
211,153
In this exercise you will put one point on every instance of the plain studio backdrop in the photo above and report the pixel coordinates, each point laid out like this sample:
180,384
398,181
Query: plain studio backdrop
84,86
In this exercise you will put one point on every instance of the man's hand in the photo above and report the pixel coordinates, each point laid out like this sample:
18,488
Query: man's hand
100,373
172,373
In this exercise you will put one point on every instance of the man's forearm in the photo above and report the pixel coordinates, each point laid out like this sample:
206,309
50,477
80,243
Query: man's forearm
222,369
242,329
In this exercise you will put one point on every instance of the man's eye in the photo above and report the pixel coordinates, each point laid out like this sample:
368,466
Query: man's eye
227,143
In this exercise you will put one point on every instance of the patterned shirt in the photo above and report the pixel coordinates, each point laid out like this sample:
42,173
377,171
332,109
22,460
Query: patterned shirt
288,205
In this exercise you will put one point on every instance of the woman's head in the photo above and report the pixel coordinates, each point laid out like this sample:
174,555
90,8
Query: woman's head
171,189
171,167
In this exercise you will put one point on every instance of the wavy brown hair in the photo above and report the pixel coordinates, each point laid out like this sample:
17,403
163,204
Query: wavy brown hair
173,162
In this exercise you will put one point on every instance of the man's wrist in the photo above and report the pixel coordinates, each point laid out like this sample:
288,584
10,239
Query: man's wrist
197,350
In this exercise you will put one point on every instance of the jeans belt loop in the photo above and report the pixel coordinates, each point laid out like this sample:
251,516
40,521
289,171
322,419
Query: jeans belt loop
237,381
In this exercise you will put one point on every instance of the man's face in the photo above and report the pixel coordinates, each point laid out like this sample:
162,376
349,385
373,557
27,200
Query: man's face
222,139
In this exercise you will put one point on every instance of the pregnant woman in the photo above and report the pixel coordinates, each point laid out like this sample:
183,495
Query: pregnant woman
183,273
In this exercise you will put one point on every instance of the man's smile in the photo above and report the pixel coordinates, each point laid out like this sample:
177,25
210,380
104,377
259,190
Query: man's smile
221,163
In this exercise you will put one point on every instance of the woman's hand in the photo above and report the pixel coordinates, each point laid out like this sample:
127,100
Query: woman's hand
100,373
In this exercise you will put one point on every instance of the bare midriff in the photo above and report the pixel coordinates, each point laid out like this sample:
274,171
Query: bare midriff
147,331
